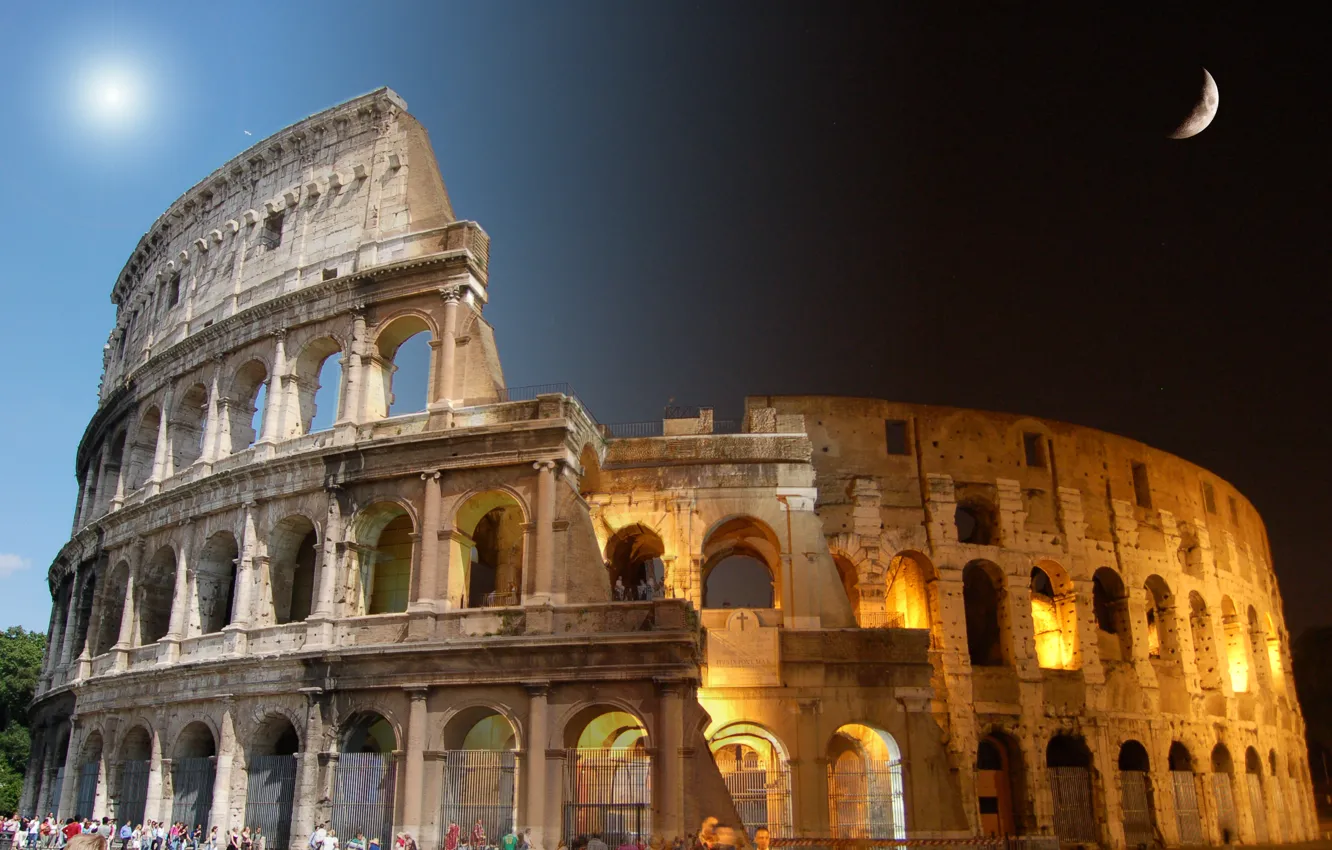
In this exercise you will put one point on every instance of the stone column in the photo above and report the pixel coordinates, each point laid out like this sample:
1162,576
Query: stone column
122,472
320,631
274,422
415,766
446,362
543,586
354,374
152,809
180,605
162,451
126,639
556,765
242,616
221,812
534,762
427,586
71,619
46,792
670,733
306,804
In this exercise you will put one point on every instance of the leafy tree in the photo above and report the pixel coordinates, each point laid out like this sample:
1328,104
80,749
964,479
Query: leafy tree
20,664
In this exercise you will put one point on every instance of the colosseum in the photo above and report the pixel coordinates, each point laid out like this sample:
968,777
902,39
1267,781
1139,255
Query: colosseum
292,597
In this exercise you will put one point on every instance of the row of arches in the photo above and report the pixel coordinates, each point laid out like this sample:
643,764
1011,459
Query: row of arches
212,418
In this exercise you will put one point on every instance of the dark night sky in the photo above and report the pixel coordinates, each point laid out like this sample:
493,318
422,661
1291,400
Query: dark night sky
965,204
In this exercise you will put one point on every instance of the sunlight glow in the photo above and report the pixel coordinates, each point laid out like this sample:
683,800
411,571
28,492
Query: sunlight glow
112,96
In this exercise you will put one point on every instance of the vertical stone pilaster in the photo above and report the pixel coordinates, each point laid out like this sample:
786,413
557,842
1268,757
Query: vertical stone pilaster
414,769
670,753
275,399
446,361
428,583
220,815
543,586
534,762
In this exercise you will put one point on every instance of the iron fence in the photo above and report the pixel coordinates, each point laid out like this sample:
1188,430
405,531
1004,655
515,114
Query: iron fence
882,620
608,794
478,786
1225,806
1074,815
1187,816
363,795
636,429
86,797
271,797
1139,821
679,411
867,801
133,791
762,798
1256,807
192,790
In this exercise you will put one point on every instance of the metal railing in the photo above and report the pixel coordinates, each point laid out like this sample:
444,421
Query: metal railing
882,620
478,785
530,393
762,797
676,411
636,429
608,793
867,800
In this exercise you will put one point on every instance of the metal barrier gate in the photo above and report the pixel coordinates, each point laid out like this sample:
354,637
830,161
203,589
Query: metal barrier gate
271,796
133,791
478,785
86,796
1225,806
363,795
608,793
192,790
868,802
762,797
1139,820
1187,817
1256,807
1074,815
1281,829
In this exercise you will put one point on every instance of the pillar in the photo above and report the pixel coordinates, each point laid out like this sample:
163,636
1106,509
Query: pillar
321,618
180,603
446,362
670,735
305,806
274,420
69,788
534,763
162,451
354,373
543,586
241,615
122,472
221,812
428,583
152,809
125,640
71,619
415,766
556,765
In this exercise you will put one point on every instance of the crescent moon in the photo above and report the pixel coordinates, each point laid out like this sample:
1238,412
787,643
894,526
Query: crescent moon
1203,111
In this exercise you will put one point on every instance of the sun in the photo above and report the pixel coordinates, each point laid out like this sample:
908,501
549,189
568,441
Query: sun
112,96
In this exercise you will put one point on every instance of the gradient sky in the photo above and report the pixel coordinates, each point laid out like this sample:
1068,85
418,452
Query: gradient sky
691,204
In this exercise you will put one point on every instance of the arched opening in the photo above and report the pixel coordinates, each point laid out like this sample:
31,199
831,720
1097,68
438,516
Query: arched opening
1274,661
1184,784
1135,790
865,795
90,776
1253,770
1237,647
999,785
156,588
739,565
479,775
193,771
1054,617
136,752
1114,633
1068,767
608,779
907,598
143,449
1223,793
186,428
249,394
757,773
489,548
271,786
977,522
867,616
982,597
589,479
316,386
83,615
1204,651
384,553
400,376
363,780
1162,638
293,553
1283,829
1257,651
633,557
108,487
215,584
111,609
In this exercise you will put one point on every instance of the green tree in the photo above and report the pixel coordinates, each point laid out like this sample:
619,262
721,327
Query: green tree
20,664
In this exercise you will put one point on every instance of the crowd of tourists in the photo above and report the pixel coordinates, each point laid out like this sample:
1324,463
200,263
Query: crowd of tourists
647,589
712,835
49,834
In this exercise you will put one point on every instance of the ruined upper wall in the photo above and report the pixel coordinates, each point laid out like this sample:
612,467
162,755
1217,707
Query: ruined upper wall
331,195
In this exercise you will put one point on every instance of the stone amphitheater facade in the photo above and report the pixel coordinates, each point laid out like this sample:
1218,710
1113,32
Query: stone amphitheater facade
870,618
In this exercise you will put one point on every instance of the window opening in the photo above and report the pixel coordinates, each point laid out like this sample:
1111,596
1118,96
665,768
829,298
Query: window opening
895,430
1142,491
1209,497
1034,447
271,237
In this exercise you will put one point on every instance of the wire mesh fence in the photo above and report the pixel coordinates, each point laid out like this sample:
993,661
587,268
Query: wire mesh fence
478,785
608,794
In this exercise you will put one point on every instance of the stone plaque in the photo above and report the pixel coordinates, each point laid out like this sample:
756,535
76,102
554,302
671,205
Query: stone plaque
744,653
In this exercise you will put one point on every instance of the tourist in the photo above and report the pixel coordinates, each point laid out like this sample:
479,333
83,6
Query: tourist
258,840
214,839
246,843
595,843
451,836
89,841
316,837
619,589
357,843
762,838
330,840
478,835
509,841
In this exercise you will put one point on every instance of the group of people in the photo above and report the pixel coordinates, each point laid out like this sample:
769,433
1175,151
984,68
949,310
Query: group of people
49,834
648,588
476,839
712,835
325,837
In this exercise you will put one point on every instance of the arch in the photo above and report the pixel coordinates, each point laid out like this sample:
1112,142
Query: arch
293,557
1237,646
143,449
156,589
480,727
87,594
1111,611
112,608
740,558
401,376
137,743
1275,665
1162,626
633,560
977,521
384,532
1000,783
1179,757
1133,756
271,781
605,726
1054,616
193,771
135,752
1223,792
368,731
276,735
865,793
910,577
1136,795
1068,767
1204,651
987,618
589,476
1221,761
612,766
88,764
315,385
196,740
248,398
756,770
185,428
215,584
489,548
109,486
1253,763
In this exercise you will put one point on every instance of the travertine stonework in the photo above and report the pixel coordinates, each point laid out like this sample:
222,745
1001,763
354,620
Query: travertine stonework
873,618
